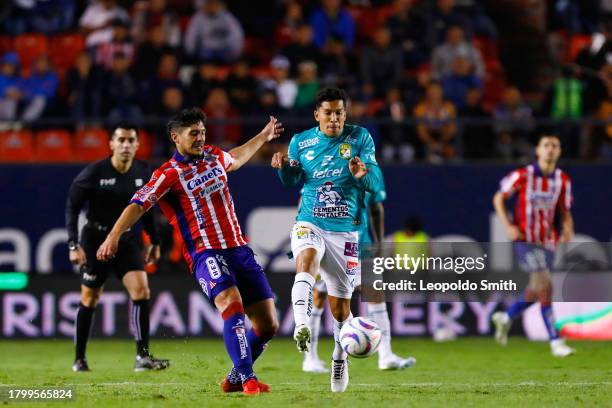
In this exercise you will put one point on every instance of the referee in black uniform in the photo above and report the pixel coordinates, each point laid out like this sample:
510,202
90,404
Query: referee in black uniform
107,186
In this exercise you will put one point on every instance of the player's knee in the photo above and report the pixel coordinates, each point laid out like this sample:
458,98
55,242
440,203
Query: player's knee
90,297
141,293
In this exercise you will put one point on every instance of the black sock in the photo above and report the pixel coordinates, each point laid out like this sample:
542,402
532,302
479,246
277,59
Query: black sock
84,320
140,324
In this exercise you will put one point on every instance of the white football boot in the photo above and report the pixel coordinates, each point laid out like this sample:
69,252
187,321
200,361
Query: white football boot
313,365
395,362
502,323
339,375
302,336
558,348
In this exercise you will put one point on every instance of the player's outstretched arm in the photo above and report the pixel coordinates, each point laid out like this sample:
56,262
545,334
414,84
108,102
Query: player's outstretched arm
129,217
243,153
289,175
368,177
499,203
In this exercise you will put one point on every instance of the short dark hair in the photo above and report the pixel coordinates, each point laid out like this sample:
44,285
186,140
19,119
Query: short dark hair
184,118
414,224
543,135
331,94
124,125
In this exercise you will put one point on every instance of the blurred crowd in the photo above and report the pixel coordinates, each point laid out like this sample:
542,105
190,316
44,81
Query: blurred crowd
426,77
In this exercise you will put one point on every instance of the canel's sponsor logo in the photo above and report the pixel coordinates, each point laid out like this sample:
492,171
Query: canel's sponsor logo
209,175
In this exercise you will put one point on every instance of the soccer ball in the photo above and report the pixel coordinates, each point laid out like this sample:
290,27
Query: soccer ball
360,337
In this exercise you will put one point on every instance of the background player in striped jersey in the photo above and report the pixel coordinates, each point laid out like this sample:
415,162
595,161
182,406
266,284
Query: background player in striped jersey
544,191
192,191
371,231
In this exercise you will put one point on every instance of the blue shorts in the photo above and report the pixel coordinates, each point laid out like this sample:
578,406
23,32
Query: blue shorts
534,257
218,269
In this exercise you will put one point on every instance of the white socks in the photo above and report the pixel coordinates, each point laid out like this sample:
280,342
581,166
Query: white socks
315,330
338,353
301,298
378,313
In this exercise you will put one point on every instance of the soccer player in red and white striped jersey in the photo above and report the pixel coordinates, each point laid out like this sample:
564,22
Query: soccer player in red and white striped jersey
192,191
544,192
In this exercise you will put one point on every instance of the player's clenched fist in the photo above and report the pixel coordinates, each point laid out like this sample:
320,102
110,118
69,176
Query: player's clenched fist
108,249
279,160
357,167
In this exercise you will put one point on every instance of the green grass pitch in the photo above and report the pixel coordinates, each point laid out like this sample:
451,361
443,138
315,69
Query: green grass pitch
466,372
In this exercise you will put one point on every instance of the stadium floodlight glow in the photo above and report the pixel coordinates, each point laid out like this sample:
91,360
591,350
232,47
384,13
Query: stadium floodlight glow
13,280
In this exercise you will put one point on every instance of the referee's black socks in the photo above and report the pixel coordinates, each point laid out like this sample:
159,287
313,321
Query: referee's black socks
140,324
84,320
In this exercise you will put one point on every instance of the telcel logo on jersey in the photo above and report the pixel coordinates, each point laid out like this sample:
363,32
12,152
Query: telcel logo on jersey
319,174
308,142
204,178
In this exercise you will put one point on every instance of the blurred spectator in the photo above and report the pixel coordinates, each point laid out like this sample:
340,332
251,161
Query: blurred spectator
218,110
443,16
455,45
10,93
155,13
120,43
96,21
601,137
172,101
397,138
459,81
120,91
152,90
407,32
302,48
83,84
563,101
286,30
381,64
574,16
214,33
338,65
241,86
478,141
591,60
308,85
38,90
150,52
285,87
204,79
436,128
331,20
513,126
358,114
40,16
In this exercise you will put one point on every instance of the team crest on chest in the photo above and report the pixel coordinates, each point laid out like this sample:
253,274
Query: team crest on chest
345,151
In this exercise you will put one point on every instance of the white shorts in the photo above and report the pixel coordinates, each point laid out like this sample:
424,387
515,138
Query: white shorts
337,253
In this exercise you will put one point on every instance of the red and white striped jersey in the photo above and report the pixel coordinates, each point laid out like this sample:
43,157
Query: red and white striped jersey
194,195
539,198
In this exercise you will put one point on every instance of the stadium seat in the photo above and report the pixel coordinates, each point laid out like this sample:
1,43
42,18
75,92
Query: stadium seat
6,44
576,43
16,146
53,145
29,47
145,151
91,144
64,49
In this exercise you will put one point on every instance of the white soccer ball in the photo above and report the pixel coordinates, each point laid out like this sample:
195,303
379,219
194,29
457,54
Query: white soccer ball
360,337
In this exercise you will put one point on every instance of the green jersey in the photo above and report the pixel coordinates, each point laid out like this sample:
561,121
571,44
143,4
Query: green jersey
332,198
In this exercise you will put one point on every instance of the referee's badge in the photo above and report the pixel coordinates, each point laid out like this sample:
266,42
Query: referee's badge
345,151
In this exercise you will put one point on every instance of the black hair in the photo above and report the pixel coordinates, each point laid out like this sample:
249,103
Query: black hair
331,94
124,125
547,134
413,224
185,118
